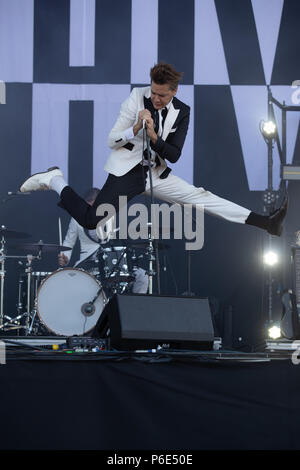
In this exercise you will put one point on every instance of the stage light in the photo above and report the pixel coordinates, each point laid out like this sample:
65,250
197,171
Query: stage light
268,129
274,332
270,258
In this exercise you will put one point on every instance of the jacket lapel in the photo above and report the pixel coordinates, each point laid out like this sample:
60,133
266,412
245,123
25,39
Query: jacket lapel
170,119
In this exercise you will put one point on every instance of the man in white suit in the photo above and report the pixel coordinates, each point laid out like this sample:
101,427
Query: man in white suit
166,120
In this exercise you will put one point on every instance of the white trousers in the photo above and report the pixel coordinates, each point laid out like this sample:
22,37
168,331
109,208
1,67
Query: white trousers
141,282
175,190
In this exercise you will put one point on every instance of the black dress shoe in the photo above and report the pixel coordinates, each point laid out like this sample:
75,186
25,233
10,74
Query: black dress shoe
271,223
276,219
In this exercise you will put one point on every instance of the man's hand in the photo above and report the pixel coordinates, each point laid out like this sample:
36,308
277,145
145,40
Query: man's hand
62,259
145,115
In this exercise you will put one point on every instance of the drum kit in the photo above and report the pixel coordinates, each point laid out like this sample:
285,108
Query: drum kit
69,301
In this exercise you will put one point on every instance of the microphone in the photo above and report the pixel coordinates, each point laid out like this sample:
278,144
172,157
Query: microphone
17,193
88,309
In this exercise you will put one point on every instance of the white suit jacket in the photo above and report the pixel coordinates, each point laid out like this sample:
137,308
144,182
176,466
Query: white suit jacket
87,246
127,154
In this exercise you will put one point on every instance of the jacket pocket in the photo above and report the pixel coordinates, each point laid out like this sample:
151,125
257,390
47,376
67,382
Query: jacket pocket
128,146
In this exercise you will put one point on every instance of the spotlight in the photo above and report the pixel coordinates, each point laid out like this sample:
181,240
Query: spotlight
268,129
269,197
274,332
270,258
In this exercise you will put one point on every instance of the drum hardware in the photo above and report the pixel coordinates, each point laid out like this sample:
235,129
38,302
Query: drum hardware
35,286
2,275
149,248
151,259
88,308
30,312
20,292
16,322
28,271
116,264
91,265
5,233
37,277
117,278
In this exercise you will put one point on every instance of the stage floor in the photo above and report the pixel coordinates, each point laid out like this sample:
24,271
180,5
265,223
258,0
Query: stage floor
167,400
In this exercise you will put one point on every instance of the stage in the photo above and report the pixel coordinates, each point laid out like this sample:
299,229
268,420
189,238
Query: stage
166,400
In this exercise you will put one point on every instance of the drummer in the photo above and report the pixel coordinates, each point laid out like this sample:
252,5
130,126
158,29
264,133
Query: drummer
89,247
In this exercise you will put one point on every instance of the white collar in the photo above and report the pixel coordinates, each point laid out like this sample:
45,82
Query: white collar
168,106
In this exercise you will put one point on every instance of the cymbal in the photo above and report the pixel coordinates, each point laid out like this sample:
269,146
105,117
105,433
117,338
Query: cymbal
136,244
41,246
4,232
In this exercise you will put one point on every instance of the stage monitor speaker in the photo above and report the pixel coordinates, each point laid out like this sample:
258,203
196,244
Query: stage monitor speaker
137,321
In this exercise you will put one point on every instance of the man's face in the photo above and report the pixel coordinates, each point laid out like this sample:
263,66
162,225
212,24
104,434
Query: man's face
161,95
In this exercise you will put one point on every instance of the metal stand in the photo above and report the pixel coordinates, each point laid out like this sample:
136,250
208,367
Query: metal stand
152,242
151,259
2,274
270,196
188,292
15,323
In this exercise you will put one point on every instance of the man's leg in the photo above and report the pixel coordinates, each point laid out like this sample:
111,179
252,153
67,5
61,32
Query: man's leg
131,184
175,190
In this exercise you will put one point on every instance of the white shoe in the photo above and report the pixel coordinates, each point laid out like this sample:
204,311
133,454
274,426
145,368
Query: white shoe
40,181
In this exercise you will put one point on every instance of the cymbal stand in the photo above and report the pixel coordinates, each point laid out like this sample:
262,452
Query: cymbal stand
151,258
28,271
12,323
28,324
2,274
189,293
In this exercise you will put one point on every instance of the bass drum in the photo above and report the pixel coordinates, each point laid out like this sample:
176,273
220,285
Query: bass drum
62,299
